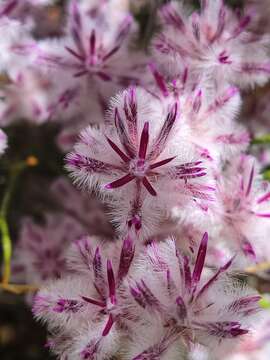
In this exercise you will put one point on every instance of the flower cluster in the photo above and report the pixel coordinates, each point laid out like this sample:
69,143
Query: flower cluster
155,307
155,122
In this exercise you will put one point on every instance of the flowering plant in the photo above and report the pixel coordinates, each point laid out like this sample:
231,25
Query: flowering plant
135,139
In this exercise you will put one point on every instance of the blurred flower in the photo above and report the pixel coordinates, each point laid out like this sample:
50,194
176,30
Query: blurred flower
40,251
83,207
3,142
215,43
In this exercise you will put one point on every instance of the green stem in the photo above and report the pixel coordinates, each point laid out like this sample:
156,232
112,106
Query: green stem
4,228
262,140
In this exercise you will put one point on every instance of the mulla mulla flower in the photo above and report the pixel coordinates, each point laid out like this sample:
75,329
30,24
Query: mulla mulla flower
86,305
245,219
257,346
93,49
140,158
40,251
181,304
83,207
153,306
203,115
215,43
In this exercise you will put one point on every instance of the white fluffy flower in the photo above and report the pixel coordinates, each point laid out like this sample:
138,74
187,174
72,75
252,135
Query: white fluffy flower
215,43
140,158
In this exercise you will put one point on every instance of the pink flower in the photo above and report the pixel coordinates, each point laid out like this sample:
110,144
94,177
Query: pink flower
215,43
246,213
84,208
139,158
40,251
88,303
156,305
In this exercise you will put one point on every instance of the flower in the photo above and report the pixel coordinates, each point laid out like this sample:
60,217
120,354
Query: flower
93,50
84,208
185,304
245,200
215,43
140,158
40,251
203,113
86,304
157,304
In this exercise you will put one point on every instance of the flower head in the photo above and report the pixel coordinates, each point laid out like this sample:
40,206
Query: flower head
185,304
40,251
88,302
245,200
139,156
154,307
214,42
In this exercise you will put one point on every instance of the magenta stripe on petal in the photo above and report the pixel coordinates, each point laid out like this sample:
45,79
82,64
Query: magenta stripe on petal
108,326
245,303
144,141
165,131
120,182
199,264
111,53
81,73
197,102
149,187
161,163
265,215
250,181
264,198
8,8
121,131
111,282
215,277
126,257
181,308
104,76
94,302
92,42
88,164
118,151
159,80
74,53
248,249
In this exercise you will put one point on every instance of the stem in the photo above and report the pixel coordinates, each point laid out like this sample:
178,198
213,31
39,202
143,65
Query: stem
4,228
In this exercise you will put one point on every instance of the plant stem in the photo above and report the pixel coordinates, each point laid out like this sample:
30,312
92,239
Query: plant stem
4,228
